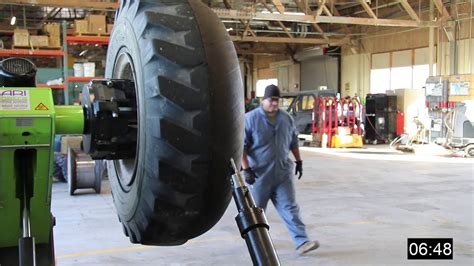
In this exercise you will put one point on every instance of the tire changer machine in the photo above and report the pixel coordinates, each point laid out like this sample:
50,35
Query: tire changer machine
29,121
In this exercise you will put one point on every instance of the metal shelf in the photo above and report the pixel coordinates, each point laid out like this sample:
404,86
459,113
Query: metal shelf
87,39
33,53
81,79
60,86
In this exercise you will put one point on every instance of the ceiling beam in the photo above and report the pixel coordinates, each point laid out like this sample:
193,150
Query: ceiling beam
236,14
318,29
409,10
442,9
320,8
335,42
282,26
257,49
303,6
336,12
228,5
367,8
326,10
247,29
279,6
376,22
78,4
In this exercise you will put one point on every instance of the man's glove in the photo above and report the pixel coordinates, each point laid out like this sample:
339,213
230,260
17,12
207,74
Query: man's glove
299,169
249,176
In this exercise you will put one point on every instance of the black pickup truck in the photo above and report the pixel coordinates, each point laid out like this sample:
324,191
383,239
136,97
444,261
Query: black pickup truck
301,108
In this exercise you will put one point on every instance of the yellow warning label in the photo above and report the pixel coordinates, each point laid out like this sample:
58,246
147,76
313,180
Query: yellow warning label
41,107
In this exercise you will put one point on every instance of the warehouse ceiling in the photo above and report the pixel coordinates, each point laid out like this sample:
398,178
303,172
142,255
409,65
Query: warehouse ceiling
284,24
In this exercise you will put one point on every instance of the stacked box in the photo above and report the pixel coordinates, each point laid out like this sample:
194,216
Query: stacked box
54,34
81,26
21,37
89,69
97,24
39,41
53,28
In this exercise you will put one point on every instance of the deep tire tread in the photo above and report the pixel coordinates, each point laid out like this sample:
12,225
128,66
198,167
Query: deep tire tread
178,96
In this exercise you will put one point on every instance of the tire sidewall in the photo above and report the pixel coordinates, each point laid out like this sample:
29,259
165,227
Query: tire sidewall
126,198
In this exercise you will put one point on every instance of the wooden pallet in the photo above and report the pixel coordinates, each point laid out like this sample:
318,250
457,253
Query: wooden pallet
92,34
36,48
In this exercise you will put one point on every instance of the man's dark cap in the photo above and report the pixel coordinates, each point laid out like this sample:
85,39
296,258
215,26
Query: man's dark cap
271,91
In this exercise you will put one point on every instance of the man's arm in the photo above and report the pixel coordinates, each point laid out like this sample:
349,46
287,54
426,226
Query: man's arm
248,173
247,142
296,153
299,162
245,160
294,147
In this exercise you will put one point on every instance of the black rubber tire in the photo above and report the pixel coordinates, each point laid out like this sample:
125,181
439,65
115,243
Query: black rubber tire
469,150
190,112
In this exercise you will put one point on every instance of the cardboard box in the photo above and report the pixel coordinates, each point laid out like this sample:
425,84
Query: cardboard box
81,26
343,131
89,69
21,37
97,24
109,28
70,141
52,29
39,41
54,41
78,69
54,34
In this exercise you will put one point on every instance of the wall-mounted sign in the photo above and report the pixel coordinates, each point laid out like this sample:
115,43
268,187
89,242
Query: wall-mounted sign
459,88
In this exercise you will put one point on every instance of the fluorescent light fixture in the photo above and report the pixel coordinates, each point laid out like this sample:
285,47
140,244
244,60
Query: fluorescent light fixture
284,13
13,21
294,13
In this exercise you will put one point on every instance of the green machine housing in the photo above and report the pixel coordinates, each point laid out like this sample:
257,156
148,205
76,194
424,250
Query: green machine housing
28,122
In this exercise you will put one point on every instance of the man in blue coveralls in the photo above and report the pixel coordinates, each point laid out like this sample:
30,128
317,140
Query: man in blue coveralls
270,134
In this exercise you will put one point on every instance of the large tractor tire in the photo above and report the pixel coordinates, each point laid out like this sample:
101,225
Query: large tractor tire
190,119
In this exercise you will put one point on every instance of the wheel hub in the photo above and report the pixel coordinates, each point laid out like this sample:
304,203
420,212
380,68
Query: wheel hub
111,119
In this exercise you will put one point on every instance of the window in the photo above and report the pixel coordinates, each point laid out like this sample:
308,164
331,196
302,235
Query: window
285,102
307,104
401,77
420,74
379,80
398,70
263,83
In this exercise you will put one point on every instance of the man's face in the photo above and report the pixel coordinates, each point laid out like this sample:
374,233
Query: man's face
270,105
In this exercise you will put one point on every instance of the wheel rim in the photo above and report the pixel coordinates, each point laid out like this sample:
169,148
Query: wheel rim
470,152
126,169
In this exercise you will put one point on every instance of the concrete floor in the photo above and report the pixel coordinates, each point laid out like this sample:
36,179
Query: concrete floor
361,205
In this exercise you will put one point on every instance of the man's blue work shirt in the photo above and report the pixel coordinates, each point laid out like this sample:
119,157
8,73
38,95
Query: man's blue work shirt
268,145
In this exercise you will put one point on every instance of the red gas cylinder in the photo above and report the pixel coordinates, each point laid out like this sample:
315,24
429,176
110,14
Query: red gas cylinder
400,123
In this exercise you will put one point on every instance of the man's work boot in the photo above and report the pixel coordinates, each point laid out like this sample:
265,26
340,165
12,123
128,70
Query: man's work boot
308,246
